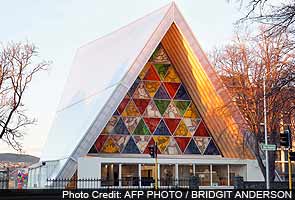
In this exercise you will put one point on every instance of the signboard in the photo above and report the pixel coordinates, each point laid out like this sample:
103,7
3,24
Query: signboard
269,147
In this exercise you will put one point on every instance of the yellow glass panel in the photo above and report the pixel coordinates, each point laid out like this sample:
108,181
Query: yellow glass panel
162,142
144,70
191,112
131,110
152,87
172,76
182,130
110,147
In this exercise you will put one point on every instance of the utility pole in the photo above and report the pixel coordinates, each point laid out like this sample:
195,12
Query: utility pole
265,134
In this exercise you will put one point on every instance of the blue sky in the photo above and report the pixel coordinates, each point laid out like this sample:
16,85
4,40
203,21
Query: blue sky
58,28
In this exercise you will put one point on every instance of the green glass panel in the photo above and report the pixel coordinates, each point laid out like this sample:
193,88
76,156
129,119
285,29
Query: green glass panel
162,70
141,129
182,106
162,105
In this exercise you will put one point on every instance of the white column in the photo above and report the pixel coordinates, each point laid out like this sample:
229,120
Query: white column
194,169
139,174
99,174
211,177
176,173
228,175
159,182
120,175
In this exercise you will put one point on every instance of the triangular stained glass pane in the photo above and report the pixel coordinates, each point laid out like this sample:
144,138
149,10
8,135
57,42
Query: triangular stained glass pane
151,123
131,147
131,123
100,142
110,125
171,88
191,112
162,70
182,106
152,75
172,111
172,124
182,94
141,104
144,70
141,129
123,105
141,141
192,148
162,105
120,128
151,143
152,111
93,150
162,142
152,87
120,140
202,143
172,148
211,149
202,130
141,92
110,147
172,75
160,56
192,124
133,87
182,142
116,113
162,129
131,110
162,93
182,130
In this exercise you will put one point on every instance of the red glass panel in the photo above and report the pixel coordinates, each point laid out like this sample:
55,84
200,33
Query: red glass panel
100,141
141,104
202,130
152,74
172,124
182,142
123,104
152,123
171,88
151,142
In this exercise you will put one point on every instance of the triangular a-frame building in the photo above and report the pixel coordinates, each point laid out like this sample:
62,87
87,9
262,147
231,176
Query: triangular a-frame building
146,82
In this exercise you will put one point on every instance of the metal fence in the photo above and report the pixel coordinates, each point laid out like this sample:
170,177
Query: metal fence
130,182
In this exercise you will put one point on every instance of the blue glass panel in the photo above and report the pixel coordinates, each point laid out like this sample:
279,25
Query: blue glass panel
116,113
161,93
182,94
120,128
162,129
134,86
192,148
211,149
131,147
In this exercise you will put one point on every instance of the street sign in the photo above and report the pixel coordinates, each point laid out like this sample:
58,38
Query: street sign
269,147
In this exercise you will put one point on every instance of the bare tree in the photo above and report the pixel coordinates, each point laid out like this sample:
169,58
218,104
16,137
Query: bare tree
278,15
17,69
242,65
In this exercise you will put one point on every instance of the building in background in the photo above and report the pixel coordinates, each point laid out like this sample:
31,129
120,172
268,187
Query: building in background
145,83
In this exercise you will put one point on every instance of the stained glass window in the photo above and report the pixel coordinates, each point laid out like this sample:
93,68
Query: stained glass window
157,108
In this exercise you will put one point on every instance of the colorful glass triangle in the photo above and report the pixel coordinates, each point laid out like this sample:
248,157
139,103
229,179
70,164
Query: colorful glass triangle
192,124
162,105
151,123
151,74
182,106
162,129
120,140
171,88
130,110
141,141
141,92
182,130
141,104
172,75
133,87
162,142
100,142
182,94
123,105
120,128
172,124
151,143
110,147
131,123
162,70
160,56
202,130
144,70
172,111
192,148
211,149
152,111
93,150
131,147
182,142
152,87
202,143
191,112
162,93
141,129
110,125
172,148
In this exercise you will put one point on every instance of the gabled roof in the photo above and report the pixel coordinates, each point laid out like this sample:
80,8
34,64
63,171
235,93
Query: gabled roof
104,70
